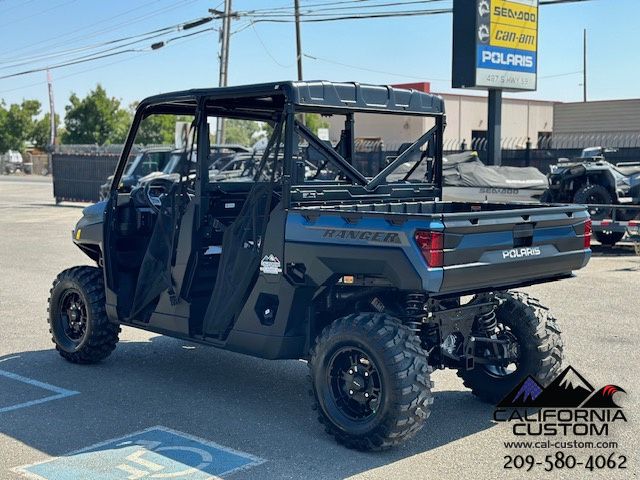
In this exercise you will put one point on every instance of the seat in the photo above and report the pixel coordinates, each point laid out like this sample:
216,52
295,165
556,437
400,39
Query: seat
627,171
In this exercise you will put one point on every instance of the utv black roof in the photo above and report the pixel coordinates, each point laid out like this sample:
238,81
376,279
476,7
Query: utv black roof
348,96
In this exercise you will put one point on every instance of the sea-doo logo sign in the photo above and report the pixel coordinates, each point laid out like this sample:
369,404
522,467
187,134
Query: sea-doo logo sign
511,14
522,252
503,191
567,406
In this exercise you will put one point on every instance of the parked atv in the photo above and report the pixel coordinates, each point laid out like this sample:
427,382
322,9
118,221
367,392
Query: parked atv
374,282
591,180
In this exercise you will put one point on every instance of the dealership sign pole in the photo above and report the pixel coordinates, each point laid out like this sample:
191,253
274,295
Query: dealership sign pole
495,48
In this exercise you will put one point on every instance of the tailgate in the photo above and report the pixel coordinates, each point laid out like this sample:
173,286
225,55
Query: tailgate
504,249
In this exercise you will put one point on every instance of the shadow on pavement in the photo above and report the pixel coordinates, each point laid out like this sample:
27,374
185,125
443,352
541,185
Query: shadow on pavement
618,250
257,406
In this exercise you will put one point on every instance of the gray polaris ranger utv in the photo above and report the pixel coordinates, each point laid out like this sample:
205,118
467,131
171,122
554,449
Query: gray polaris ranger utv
374,280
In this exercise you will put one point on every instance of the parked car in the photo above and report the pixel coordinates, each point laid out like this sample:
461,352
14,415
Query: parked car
147,161
13,162
374,283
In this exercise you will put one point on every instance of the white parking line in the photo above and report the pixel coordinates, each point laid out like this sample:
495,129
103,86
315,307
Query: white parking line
59,392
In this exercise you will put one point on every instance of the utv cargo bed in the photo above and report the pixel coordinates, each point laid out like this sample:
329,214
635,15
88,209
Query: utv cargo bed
484,246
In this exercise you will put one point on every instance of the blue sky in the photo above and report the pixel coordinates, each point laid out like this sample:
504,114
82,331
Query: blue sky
384,50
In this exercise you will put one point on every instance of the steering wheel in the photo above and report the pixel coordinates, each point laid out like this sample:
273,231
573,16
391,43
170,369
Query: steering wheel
152,198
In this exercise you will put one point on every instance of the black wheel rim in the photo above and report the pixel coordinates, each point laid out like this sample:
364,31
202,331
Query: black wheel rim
73,316
596,198
354,384
513,350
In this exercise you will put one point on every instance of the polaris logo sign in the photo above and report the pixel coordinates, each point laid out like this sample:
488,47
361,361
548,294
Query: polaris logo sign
506,60
521,252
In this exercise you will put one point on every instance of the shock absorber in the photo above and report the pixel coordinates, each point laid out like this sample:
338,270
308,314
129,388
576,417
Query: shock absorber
414,311
487,322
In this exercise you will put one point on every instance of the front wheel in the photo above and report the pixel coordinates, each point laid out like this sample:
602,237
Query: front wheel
540,349
78,322
370,379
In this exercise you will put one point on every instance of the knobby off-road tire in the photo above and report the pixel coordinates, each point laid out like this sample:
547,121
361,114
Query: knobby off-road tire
608,238
78,322
594,194
387,355
540,349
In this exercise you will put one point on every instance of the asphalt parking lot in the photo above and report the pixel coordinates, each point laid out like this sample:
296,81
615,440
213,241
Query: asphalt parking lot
49,408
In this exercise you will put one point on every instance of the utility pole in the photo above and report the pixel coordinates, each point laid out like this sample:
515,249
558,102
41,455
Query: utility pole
296,4
584,66
52,112
224,59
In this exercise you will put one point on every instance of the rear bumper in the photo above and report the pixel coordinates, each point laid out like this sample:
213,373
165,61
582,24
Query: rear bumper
508,274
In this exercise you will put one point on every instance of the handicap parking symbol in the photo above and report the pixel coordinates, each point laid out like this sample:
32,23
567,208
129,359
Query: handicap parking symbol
154,453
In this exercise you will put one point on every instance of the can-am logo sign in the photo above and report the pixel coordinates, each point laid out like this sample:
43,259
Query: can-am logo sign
567,406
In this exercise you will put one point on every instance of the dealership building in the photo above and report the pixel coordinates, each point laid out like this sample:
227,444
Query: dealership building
612,123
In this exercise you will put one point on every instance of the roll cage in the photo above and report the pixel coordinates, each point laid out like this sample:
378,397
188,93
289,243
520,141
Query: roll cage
280,104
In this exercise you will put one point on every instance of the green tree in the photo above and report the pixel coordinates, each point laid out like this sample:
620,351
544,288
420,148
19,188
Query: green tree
17,123
242,132
97,118
157,129
41,133
314,121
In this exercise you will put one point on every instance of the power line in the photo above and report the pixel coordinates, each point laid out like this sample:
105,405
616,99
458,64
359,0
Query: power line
285,14
95,33
40,12
342,6
365,69
88,70
186,25
413,13
266,49
154,46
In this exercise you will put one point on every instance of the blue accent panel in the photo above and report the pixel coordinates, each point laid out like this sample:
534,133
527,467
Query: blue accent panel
506,59
156,452
369,232
486,240
548,235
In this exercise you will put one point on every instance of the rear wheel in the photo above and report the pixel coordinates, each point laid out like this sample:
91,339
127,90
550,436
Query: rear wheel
608,238
370,380
540,349
595,194
77,319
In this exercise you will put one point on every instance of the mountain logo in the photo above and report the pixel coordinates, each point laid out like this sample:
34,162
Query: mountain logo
569,390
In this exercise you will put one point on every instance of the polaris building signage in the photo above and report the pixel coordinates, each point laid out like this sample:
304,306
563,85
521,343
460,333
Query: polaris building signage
495,44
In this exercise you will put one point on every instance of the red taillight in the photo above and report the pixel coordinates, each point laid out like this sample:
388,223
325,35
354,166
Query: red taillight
431,245
634,223
587,234
606,221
